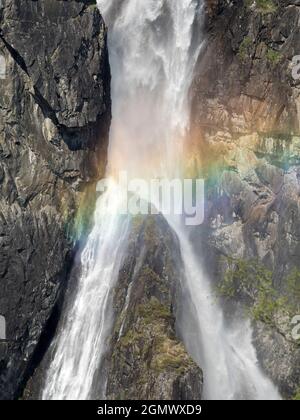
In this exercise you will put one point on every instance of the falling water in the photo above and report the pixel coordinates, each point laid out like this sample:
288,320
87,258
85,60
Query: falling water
81,343
153,46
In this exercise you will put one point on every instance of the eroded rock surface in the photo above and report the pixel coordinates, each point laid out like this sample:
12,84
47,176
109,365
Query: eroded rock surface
245,137
54,119
147,360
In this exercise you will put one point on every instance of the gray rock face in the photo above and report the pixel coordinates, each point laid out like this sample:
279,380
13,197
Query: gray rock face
54,119
245,134
279,355
244,82
147,360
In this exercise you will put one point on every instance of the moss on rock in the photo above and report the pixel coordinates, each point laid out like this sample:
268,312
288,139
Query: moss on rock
147,360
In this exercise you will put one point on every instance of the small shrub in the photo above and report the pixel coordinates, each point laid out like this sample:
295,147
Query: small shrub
297,395
273,56
293,288
245,48
250,279
263,6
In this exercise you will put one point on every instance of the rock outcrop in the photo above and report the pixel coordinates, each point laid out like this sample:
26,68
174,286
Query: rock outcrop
147,360
245,137
245,140
54,120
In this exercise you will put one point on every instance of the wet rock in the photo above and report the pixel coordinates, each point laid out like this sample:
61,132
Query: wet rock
279,356
147,360
245,135
54,119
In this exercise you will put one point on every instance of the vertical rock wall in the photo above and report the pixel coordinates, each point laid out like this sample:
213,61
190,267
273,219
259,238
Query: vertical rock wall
54,120
147,360
245,138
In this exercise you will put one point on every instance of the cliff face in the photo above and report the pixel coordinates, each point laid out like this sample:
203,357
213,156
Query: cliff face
54,119
147,360
55,115
246,136
244,77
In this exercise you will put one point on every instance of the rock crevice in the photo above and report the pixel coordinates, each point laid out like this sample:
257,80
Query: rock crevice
54,122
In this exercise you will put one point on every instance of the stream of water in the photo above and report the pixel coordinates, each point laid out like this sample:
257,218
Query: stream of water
154,46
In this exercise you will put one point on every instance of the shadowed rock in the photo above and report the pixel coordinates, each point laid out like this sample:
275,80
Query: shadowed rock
54,119
147,360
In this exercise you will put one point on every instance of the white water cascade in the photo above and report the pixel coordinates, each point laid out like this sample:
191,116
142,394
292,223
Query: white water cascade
153,46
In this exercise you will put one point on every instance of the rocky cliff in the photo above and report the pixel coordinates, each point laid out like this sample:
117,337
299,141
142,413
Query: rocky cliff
245,138
147,360
55,104
54,119
144,356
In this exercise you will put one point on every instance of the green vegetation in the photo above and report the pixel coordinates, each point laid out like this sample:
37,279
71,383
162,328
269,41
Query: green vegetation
152,316
250,279
146,226
245,276
297,395
263,6
267,306
266,6
137,222
245,48
152,327
171,354
154,312
273,56
293,288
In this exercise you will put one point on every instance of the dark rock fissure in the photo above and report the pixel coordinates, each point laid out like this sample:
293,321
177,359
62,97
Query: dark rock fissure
54,122
51,149
146,358
49,329
246,131
15,55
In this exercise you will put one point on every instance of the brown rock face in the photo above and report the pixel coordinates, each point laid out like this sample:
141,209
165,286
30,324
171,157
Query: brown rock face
54,119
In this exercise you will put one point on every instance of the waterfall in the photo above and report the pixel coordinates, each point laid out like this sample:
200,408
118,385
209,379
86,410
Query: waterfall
81,342
153,47
226,353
